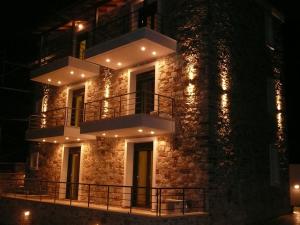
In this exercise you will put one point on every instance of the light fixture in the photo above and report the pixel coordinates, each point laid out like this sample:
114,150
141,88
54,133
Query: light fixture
116,135
55,141
154,53
67,138
44,140
152,132
49,80
119,64
107,60
82,75
80,26
103,134
71,72
59,82
297,186
143,48
140,130
26,213
78,139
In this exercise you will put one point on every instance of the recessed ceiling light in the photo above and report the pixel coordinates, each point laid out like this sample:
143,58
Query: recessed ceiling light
67,138
55,141
71,72
44,140
82,75
107,60
143,48
140,130
119,64
116,135
152,132
78,139
59,82
103,134
153,53
49,80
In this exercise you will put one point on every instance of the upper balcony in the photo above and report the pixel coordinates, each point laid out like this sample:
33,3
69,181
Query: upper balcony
57,126
118,40
129,115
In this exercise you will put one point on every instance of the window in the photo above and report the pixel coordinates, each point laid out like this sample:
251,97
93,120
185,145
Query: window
34,161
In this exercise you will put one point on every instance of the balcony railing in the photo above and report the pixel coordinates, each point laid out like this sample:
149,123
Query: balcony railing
56,117
130,104
161,201
66,43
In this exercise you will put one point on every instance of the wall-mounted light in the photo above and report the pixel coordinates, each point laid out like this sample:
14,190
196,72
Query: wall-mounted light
27,213
297,186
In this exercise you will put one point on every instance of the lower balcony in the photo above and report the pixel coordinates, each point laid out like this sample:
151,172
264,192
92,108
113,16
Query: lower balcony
154,202
129,115
57,126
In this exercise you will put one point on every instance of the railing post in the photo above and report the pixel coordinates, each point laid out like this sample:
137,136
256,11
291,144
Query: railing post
120,106
107,200
89,195
66,116
159,201
40,190
71,187
183,200
156,202
131,192
55,191
158,105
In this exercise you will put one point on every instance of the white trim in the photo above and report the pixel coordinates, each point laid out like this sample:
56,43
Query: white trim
64,168
128,166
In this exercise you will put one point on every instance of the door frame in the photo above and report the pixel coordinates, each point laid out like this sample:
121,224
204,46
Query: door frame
70,90
64,168
132,73
128,167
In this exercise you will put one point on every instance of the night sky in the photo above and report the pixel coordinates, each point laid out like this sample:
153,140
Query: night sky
19,20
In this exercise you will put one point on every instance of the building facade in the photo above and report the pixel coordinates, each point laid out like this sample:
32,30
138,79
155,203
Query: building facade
167,108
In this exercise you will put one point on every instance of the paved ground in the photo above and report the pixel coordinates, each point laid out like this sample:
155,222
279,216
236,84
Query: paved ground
292,219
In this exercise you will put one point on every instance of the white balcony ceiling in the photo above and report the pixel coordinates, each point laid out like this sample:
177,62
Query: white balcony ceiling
142,45
65,71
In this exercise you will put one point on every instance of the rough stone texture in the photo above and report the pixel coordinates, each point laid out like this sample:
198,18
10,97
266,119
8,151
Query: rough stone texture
218,78
12,213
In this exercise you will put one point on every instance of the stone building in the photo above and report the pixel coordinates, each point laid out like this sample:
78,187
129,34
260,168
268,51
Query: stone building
157,112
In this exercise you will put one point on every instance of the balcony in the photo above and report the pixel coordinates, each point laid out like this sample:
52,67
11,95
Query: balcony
141,45
129,115
65,71
56,126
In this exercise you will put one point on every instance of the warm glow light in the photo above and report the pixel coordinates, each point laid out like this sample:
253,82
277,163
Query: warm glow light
140,130
80,26
78,139
116,135
67,138
153,53
59,82
297,186
55,141
103,134
119,64
82,75
152,132
26,213
71,72
44,140
107,60
49,80
143,48
191,89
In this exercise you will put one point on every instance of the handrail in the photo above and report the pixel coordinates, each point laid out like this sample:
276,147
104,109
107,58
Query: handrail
160,201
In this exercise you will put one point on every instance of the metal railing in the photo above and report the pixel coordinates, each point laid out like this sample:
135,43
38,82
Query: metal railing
110,26
56,117
129,199
129,104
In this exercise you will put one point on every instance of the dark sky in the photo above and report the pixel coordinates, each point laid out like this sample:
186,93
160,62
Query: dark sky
21,17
